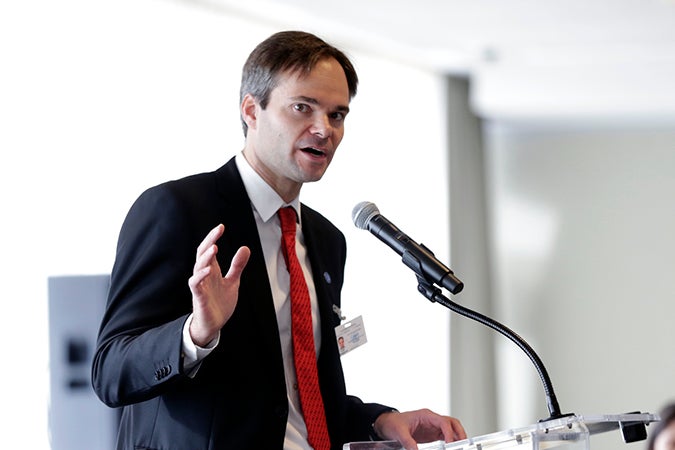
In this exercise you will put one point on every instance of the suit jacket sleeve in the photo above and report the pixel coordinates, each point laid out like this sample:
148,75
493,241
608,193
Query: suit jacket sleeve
139,346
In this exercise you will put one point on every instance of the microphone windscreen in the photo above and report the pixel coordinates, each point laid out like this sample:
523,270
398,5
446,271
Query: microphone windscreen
363,213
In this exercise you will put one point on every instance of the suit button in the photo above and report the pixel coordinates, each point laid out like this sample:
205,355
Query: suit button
162,372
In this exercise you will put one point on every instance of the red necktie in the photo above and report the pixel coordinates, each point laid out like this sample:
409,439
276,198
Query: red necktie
303,339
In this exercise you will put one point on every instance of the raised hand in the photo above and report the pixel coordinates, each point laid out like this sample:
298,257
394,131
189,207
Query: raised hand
214,296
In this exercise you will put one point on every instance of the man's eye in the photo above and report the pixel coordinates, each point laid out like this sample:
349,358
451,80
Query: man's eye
301,107
337,116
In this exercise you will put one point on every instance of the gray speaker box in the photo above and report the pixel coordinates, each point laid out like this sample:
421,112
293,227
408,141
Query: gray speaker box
77,418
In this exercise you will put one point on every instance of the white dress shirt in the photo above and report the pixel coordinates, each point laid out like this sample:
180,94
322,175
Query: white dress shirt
265,203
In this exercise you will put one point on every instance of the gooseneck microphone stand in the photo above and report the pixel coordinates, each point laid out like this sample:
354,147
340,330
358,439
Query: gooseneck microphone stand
434,294
558,428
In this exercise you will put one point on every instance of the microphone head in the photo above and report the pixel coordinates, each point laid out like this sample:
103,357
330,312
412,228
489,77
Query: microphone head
363,213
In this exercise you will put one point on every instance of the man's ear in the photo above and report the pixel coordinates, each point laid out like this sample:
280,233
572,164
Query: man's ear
249,111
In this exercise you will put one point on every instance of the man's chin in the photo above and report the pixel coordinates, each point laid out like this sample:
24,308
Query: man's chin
313,173
313,178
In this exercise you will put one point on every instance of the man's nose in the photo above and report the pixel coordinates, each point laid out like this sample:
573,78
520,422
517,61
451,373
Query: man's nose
322,127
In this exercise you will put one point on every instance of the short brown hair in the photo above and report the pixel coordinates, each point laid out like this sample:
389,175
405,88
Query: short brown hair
283,51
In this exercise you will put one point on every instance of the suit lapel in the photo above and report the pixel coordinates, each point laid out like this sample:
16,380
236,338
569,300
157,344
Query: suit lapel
241,230
323,270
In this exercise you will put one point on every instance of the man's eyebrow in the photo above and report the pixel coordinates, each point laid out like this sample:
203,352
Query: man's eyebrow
302,98
313,101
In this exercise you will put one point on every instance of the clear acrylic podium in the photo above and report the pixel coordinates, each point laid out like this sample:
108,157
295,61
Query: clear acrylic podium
566,433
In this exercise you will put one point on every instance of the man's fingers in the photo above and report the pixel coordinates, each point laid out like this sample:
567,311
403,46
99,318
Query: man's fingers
207,249
205,259
238,263
460,433
453,430
198,276
210,239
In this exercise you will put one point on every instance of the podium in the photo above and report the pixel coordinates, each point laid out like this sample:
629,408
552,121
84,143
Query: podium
572,432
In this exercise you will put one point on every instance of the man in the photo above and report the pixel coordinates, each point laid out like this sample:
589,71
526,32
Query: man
200,360
662,436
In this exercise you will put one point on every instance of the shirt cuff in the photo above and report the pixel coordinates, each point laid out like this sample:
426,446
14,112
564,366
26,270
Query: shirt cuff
192,353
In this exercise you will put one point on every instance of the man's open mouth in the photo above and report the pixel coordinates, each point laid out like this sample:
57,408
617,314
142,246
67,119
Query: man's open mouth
313,151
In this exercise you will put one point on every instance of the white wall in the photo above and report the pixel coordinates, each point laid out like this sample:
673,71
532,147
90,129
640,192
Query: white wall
582,238
100,100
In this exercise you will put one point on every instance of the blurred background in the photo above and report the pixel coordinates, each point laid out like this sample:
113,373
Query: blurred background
529,144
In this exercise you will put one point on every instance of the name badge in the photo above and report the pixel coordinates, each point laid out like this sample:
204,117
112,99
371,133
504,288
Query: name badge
350,335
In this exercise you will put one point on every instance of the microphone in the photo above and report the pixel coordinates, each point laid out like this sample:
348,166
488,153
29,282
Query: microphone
431,271
420,259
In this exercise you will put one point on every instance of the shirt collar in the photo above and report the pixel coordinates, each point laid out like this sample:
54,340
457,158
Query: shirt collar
264,198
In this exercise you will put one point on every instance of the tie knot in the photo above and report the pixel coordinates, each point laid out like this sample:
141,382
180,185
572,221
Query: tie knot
288,218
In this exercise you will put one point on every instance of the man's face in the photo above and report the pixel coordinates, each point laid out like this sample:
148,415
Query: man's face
293,140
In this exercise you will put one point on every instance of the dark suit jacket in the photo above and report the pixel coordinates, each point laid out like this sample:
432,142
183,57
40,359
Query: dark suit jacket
238,399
